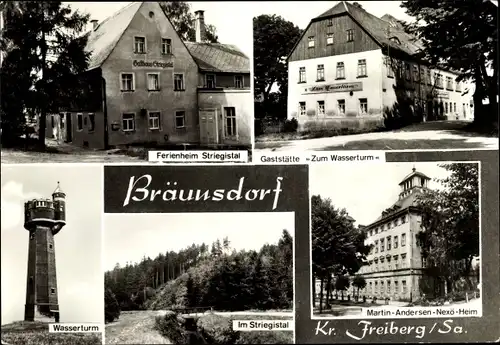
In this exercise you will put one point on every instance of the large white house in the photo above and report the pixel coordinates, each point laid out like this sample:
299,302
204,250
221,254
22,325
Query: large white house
343,71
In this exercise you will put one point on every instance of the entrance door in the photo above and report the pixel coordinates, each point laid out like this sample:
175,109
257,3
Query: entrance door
208,127
69,128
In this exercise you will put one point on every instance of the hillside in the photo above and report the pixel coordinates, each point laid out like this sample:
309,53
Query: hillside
222,279
24,332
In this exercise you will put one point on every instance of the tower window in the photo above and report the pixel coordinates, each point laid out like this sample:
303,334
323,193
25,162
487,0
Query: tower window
52,290
50,246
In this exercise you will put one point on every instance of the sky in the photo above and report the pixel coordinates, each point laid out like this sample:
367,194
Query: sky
233,20
130,237
366,190
78,244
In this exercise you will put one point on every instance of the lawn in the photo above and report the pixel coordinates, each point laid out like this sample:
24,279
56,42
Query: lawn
23,332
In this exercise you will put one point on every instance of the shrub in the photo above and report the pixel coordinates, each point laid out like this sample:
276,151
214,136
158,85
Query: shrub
290,126
217,329
171,327
111,306
258,127
265,337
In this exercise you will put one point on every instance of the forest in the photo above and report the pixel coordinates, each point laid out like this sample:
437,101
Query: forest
213,276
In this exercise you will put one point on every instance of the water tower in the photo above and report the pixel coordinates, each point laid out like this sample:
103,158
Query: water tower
43,218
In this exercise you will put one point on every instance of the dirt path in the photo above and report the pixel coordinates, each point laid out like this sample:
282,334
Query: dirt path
136,327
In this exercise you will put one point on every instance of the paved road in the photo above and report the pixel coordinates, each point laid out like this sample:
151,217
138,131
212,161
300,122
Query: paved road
430,135
136,327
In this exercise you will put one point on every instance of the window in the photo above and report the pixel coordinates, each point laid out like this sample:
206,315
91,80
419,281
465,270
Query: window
403,240
350,35
396,263
396,287
376,246
454,107
362,68
330,21
302,75
310,41
50,246
302,108
128,122
363,106
230,126
154,119
153,81
424,263
446,107
404,286
341,105
428,77
388,286
388,242
388,65
166,46
403,219
321,107
458,86
127,82
210,81
422,75
79,121
91,122
449,83
415,73
320,73
340,70
395,242
139,45
52,290
382,245
439,80
238,81
407,71
180,119
329,39
178,82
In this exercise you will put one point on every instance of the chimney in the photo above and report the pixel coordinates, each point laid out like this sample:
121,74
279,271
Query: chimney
95,23
200,26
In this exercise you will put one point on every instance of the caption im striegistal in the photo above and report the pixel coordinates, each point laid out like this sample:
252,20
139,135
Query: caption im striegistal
138,190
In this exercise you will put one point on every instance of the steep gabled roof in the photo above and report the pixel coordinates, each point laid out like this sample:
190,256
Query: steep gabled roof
103,40
214,57
378,29
217,57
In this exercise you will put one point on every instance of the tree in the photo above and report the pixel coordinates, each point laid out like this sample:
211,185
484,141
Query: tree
342,283
274,39
359,282
470,46
50,62
337,246
449,239
179,13
111,306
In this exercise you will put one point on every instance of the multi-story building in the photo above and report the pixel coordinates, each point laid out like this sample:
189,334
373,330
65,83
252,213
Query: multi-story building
350,67
395,268
147,86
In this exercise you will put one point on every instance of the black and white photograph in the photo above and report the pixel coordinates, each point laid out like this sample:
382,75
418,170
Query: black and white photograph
186,278
51,254
376,75
109,81
399,240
